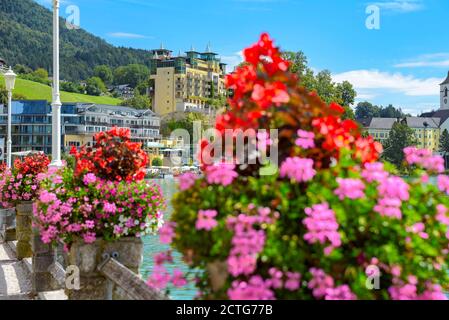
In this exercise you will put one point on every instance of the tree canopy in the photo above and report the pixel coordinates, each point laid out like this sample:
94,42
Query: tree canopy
368,110
322,83
401,136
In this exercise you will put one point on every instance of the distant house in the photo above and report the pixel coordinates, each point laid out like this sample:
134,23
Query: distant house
426,129
124,91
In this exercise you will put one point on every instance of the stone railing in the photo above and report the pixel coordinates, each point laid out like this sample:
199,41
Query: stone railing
7,225
99,271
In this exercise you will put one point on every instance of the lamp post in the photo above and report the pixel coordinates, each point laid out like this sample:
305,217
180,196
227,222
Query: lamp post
56,102
10,80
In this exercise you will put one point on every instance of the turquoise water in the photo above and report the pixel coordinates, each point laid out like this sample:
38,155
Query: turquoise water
152,246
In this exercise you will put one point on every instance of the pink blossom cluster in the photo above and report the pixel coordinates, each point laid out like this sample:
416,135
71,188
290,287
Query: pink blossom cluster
247,243
392,192
322,286
161,277
350,188
187,180
255,289
322,226
17,187
319,283
221,173
374,172
298,169
206,220
443,183
288,280
6,194
167,232
342,292
305,139
419,229
424,159
443,216
96,208
401,290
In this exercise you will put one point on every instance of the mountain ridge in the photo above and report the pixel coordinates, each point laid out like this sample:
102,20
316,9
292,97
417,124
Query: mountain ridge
26,38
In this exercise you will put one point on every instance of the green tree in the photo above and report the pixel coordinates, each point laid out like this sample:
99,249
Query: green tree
71,87
4,95
95,86
401,136
131,74
391,112
157,162
444,141
22,69
366,110
104,72
322,83
138,102
40,73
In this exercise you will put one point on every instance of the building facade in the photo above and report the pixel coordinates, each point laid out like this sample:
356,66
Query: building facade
185,82
32,129
426,130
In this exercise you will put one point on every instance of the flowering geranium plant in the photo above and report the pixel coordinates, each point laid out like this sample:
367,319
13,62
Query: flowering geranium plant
20,183
93,202
113,157
333,223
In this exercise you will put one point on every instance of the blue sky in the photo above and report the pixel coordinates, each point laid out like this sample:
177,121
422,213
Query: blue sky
401,63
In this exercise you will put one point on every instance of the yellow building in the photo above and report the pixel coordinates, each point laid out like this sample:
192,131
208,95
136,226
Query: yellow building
426,130
185,83
379,128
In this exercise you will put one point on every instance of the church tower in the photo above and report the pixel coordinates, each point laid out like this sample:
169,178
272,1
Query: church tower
444,94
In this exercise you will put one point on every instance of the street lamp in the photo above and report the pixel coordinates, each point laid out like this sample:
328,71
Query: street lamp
10,80
56,102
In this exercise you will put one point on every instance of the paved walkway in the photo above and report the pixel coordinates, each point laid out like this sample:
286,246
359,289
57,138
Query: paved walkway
15,282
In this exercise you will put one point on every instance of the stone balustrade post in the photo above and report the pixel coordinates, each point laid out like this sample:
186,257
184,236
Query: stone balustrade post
24,213
43,258
88,257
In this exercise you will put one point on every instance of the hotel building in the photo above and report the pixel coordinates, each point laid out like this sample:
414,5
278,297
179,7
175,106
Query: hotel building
185,82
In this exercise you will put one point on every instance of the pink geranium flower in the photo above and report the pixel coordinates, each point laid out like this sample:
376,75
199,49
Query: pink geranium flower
206,220
221,173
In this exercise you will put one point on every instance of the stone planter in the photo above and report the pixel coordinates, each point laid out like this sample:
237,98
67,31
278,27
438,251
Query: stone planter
87,257
24,214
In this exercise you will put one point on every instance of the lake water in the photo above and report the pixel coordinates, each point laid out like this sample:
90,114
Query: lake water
152,246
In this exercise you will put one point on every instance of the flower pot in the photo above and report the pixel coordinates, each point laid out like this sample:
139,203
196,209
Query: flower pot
24,214
87,257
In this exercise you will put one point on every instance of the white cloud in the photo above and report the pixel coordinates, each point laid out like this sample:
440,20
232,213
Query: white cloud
402,6
369,81
232,61
128,35
437,60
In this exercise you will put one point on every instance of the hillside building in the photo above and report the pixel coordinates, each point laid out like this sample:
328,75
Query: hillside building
185,82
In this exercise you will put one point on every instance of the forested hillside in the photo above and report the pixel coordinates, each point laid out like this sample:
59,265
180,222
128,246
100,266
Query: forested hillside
26,38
